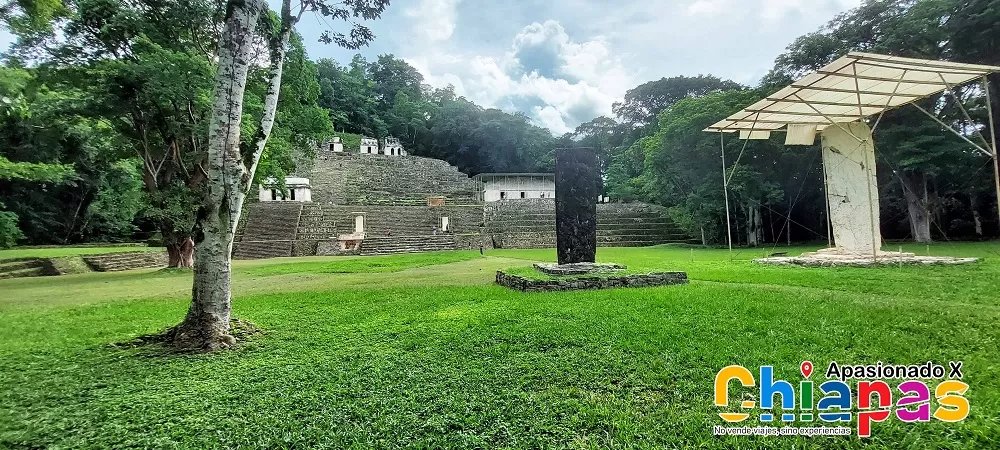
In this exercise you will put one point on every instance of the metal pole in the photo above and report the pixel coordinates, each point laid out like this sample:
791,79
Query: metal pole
958,102
949,128
826,197
725,189
872,206
993,135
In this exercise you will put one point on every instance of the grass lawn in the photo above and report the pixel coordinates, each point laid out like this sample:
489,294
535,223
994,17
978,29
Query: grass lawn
423,350
57,252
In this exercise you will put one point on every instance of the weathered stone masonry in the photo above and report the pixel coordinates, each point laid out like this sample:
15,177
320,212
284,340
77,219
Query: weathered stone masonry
391,192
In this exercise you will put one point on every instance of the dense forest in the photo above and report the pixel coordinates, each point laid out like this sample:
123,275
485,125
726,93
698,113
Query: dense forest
932,184
104,108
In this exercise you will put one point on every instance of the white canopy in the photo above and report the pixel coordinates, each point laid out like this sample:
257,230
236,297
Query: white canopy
851,88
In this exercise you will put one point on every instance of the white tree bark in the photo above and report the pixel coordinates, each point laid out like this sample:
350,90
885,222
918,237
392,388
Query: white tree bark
206,325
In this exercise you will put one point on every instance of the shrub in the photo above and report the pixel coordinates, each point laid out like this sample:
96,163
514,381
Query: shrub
9,232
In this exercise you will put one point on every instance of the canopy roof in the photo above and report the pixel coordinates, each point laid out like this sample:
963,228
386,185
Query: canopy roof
854,87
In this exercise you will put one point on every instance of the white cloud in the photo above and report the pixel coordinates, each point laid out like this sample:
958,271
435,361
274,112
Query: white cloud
706,7
566,61
775,10
559,82
770,11
434,20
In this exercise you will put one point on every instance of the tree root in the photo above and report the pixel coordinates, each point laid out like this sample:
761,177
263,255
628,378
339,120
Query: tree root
190,340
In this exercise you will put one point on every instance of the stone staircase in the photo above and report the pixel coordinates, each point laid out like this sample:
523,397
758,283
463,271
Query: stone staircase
407,244
23,267
359,179
324,222
531,224
269,231
114,262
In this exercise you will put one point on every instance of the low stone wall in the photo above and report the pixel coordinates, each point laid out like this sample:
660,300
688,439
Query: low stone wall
332,248
523,284
114,262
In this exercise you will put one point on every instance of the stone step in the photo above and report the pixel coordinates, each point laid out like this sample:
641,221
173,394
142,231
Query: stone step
23,272
262,249
20,263
407,244
114,262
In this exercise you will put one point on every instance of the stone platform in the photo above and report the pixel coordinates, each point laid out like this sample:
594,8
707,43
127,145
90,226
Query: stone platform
577,283
832,257
578,268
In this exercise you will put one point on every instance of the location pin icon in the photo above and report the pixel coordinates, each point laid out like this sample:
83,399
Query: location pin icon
806,368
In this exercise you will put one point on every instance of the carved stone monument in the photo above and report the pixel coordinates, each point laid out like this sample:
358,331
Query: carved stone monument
577,185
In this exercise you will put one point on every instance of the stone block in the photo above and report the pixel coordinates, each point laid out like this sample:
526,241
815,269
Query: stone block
577,187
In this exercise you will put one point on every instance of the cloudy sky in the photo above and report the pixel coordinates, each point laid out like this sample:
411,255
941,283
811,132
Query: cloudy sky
564,62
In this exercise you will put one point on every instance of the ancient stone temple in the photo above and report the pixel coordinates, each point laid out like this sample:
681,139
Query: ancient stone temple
409,204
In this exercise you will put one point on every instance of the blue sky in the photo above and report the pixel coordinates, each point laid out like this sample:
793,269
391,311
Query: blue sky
563,62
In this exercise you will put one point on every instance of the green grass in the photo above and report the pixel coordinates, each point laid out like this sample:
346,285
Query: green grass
56,252
435,355
371,264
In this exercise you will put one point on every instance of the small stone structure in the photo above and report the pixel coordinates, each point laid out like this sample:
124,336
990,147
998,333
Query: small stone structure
392,147
515,186
297,189
577,185
837,257
369,146
336,146
524,284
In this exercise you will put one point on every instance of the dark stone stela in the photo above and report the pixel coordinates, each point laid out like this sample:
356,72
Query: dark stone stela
577,188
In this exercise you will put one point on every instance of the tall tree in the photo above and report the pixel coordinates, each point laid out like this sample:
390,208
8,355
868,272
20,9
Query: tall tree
230,165
643,103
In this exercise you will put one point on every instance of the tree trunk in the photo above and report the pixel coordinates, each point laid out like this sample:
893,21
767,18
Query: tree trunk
915,191
977,218
180,247
206,325
230,172
754,225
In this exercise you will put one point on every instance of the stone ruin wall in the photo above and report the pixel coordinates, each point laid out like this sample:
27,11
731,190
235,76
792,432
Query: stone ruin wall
531,224
391,192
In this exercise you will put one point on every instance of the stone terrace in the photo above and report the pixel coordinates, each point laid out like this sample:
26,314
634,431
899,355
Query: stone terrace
392,191
399,223
531,224
358,179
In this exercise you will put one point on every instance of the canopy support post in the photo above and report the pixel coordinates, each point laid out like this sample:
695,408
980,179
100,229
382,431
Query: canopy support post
958,102
826,199
869,170
725,190
993,136
949,128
